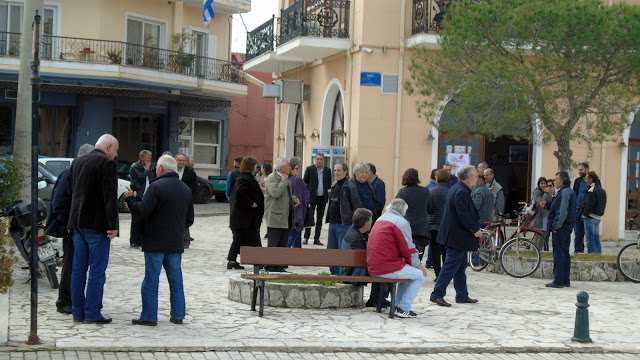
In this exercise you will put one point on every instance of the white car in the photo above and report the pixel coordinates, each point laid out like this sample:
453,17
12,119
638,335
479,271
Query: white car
58,165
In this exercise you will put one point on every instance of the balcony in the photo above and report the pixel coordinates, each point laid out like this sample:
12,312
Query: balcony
136,65
427,22
309,30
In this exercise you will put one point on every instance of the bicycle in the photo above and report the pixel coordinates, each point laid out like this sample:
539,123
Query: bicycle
519,256
629,255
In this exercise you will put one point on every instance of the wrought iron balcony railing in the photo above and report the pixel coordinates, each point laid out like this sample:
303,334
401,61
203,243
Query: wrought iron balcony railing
117,52
428,15
321,18
261,39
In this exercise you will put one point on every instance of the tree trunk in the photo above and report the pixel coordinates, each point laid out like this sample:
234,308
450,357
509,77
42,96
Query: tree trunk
22,133
564,154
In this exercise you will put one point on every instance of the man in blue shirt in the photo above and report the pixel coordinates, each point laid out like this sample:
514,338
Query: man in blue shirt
561,221
580,188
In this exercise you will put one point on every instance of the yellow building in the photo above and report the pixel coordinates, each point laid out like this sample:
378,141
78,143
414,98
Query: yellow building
354,55
149,72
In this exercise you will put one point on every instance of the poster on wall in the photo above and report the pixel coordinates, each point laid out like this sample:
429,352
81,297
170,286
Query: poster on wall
457,161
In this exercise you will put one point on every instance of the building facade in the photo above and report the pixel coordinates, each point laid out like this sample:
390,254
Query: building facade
354,55
149,72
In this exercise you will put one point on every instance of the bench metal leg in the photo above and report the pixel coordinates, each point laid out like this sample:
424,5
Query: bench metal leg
261,298
381,297
393,300
254,295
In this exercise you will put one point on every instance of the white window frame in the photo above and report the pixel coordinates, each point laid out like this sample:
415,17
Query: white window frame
192,143
164,26
51,5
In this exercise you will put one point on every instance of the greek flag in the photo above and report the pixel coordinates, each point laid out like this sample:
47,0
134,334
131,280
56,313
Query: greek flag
207,11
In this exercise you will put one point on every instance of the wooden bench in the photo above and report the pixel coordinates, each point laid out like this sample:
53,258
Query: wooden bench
279,256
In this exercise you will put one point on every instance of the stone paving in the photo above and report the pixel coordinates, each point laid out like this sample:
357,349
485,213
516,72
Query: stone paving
513,315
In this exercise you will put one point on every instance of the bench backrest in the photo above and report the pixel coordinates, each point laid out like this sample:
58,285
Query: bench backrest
302,257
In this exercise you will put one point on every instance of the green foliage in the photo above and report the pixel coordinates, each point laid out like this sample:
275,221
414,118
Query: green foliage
504,64
11,180
115,56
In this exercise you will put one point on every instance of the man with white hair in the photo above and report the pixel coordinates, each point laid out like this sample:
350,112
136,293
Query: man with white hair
166,209
57,226
391,254
459,232
93,185
279,206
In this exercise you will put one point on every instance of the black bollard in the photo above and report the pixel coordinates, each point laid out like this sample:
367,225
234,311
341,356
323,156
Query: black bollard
581,328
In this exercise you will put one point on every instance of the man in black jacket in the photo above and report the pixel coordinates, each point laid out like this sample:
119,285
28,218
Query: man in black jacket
166,209
93,185
139,173
318,180
188,176
595,202
57,227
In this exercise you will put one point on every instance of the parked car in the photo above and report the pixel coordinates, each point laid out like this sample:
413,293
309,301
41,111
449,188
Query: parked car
205,190
49,177
59,165
219,183
123,169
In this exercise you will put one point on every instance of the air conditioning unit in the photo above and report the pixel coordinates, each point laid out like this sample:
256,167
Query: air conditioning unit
287,91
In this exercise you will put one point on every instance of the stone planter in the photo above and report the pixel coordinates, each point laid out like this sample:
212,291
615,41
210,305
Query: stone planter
305,296
580,270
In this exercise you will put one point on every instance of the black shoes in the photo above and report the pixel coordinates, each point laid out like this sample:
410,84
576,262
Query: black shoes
77,321
305,241
467,301
135,246
176,321
234,265
103,320
385,303
554,285
144,322
317,242
66,309
440,301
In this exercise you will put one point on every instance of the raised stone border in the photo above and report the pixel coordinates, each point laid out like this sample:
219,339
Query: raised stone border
580,271
304,296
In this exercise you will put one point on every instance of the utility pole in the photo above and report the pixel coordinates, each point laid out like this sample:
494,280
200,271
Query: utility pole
35,103
22,129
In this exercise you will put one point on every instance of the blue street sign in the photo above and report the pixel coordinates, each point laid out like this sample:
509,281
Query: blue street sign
370,79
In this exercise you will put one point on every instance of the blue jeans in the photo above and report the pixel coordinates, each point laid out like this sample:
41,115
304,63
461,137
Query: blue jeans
336,234
454,268
578,229
592,232
407,292
561,258
153,263
91,253
295,238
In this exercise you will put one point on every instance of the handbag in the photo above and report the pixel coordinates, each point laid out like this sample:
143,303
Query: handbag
530,211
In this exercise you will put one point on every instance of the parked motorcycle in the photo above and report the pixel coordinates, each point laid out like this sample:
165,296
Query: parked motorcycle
20,229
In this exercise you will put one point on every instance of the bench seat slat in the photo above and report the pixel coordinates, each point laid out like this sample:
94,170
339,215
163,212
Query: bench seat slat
321,278
302,257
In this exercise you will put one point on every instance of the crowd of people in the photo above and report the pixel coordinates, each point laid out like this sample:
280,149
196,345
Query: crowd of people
438,223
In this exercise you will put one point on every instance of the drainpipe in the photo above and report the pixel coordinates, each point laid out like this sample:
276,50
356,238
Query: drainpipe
396,159
603,171
348,86
279,106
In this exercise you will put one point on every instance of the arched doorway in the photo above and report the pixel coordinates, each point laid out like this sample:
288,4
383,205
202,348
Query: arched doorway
633,170
294,132
332,121
337,122
298,146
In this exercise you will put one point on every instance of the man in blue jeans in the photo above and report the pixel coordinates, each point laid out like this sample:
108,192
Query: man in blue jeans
167,210
93,185
343,201
459,232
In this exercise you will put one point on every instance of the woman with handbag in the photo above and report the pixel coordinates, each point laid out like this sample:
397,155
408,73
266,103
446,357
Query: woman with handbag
541,194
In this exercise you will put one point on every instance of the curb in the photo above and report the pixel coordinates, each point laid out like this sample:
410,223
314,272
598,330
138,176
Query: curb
4,318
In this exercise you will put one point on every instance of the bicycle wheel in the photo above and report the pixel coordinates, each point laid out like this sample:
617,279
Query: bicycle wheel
478,260
537,239
629,262
520,257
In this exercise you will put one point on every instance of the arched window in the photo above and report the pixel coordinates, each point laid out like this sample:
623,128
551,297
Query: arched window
633,170
298,147
337,122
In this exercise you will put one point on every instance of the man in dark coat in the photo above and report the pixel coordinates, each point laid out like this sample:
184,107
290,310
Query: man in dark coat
459,232
561,222
580,189
166,209
189,177
93,184
57,227
594,204
318,180
139,173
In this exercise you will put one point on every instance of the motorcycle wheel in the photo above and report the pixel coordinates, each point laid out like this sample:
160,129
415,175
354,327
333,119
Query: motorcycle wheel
52,276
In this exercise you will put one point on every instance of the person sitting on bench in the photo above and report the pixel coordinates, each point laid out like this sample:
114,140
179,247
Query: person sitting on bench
356,238
391,254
